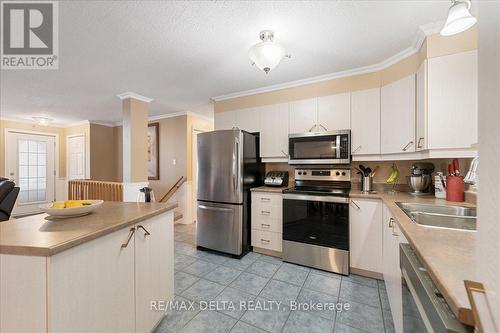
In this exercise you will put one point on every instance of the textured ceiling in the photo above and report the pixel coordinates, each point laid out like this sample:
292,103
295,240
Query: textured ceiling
182,53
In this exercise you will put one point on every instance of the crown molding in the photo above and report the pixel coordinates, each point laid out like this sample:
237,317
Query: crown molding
432,28
133,95
33,122
417,42
78,123
172,115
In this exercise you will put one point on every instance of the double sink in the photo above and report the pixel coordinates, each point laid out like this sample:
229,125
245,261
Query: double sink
439,216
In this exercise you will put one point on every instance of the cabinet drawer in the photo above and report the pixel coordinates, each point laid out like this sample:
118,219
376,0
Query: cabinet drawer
266,222
267,240
264,211
264,200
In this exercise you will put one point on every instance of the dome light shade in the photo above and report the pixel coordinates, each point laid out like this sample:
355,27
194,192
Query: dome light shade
459,18
267,54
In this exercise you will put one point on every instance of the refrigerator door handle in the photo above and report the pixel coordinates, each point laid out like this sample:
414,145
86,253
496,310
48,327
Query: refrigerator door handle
236,169
217,209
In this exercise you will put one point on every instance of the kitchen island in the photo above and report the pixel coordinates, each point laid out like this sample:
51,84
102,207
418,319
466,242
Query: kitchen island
95,273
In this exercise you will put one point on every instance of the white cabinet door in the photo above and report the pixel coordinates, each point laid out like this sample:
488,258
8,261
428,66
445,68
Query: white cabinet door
91,286
365,122
154,270
248,120
398,116
421,137
303,115
334,112
274,131
392,271
225,120
452,101
365,225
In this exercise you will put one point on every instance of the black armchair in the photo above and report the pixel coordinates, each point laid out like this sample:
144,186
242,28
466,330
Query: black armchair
8,196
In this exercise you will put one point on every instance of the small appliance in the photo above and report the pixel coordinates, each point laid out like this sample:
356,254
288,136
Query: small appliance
316,219
328,147
276,178
420,178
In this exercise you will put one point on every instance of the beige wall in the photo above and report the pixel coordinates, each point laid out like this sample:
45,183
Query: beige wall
102,153
434,46
61,132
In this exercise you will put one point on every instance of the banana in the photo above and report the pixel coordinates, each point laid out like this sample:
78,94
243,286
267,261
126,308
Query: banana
394,175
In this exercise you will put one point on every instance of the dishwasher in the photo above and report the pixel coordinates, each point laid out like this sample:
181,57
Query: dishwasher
436,314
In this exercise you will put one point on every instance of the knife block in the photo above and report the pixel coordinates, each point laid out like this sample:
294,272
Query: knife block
455,189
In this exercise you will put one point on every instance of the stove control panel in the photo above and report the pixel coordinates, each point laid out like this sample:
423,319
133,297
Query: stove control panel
323,174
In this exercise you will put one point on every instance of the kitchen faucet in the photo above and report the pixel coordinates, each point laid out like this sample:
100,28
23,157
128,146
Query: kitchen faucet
471,176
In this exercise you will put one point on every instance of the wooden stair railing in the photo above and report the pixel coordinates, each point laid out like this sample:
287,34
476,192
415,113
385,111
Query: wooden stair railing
94,190
173,189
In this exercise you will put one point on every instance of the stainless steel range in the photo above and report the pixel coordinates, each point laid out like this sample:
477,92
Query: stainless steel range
316,219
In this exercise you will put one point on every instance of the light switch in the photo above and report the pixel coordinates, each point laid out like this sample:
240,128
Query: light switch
174,161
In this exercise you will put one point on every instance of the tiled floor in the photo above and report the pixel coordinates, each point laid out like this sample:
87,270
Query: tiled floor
201,276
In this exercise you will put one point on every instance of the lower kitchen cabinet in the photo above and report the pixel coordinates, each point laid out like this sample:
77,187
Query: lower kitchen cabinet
365,223
392,237
267,220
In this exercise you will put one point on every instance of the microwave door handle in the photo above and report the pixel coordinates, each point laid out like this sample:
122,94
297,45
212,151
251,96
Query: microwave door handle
337,145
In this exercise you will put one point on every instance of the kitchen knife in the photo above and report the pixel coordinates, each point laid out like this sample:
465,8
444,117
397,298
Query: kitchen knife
456,167
450,170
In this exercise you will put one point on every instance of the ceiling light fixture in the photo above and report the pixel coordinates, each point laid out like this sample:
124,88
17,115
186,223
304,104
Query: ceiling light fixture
459,18
43,121
267,54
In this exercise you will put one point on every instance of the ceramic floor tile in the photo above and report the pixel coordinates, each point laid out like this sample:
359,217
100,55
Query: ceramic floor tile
200,268
359,293
181,261
203,290
234,297
253,255
413,325
384,298
271,259
325,273
366,281
181,236
240,264
175,320
213,257
271,320
209,321
293,274
183,281
323,283
300,322
388,322
263,268
223,275
242,327
329,302
362,316
250,283
280,291
339,328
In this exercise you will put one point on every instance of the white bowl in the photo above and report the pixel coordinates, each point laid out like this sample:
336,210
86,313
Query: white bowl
71,212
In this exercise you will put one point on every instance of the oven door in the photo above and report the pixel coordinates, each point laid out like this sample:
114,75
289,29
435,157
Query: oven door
331,147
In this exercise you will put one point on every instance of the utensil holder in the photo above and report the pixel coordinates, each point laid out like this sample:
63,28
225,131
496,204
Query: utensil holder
455,189
366,184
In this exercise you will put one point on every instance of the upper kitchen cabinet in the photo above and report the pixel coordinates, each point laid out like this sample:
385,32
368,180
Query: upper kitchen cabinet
421,134
225,120
365,122
334,112
248,120
303,115
452,101
398,116
274,132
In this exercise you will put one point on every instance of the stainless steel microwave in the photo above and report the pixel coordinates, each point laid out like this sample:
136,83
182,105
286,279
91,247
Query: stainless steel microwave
330,147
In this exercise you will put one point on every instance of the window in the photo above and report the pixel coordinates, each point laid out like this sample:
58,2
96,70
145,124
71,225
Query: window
32,170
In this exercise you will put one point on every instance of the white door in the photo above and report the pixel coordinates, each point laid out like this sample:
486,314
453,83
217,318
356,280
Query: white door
398,116
334,112
30,161
304,116
365,122
76,160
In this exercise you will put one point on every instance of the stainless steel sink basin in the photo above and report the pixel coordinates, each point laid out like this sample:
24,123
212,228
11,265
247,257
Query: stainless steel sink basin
452,217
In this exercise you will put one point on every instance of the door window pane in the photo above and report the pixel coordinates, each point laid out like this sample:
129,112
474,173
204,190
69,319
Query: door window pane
32,170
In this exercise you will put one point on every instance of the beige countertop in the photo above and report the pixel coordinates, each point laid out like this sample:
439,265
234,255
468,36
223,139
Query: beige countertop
38,235
269,189
447,254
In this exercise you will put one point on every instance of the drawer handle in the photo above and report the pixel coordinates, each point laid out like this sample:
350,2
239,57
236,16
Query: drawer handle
265,212
146,233
407,146
265,241
355,204
265,199
265,225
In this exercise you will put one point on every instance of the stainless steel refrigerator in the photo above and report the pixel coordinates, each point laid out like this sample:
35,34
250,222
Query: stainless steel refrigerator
228,166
